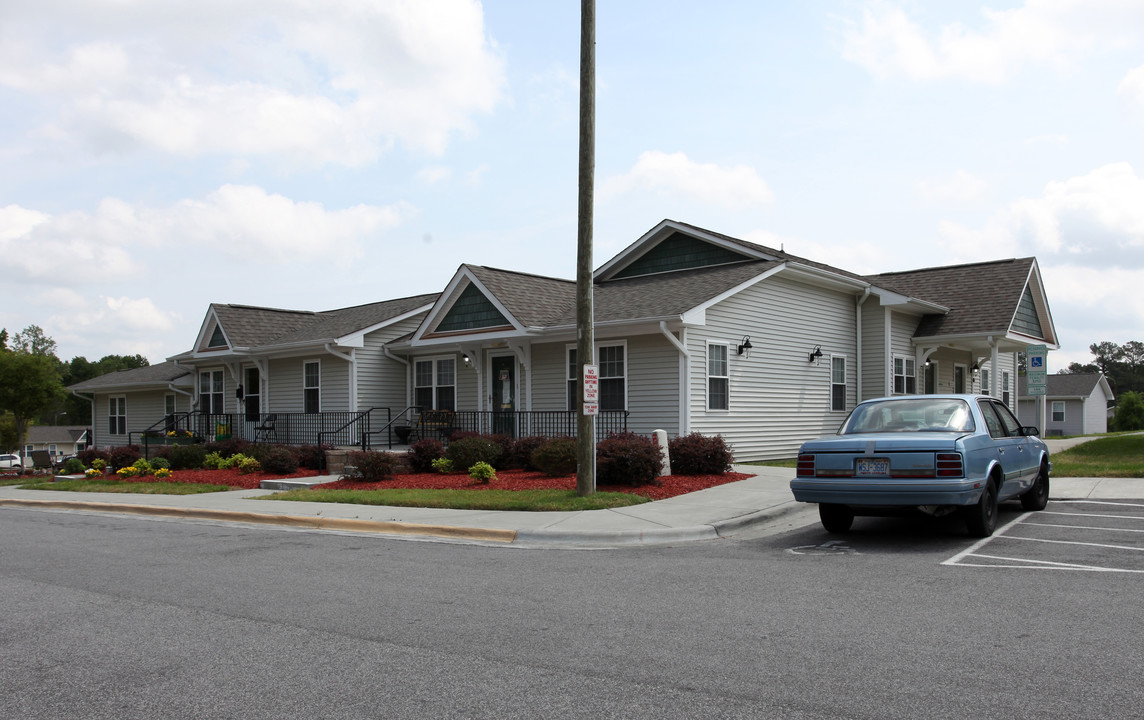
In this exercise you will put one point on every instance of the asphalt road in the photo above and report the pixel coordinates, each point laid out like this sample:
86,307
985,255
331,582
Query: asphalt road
111,617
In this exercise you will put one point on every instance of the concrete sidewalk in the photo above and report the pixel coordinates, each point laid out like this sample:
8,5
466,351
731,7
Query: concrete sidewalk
764,499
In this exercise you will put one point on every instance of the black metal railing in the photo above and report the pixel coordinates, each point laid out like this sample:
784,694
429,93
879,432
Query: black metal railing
545,423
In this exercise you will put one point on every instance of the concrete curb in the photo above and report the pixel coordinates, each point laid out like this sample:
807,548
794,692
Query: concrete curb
302,521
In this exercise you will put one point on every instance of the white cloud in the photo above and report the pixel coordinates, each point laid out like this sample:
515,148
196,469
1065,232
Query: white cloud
888,42
675,174
1132,88
1095,219
238,221
338,82
434,174
961,187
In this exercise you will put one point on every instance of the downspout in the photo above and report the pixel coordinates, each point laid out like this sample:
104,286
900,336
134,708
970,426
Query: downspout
994,367
385,351
685,379
858,341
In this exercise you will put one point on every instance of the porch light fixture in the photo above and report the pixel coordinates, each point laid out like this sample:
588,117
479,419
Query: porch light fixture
974,369
745,346
814,354
465,359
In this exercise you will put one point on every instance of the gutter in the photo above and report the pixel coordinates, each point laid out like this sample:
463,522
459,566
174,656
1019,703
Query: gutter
352,360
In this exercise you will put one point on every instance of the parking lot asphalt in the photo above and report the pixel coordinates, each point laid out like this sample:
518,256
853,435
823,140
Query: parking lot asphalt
762,499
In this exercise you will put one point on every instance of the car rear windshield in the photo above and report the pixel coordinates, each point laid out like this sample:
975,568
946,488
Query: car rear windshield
910,415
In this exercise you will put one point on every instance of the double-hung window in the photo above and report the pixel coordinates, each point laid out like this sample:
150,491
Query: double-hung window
1005,388
435,384
612,362
312,387
211,386
1058,411
986,388
837,383
905,378
117,415
718,378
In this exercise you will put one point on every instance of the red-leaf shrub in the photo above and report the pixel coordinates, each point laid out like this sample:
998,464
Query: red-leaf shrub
627,459
469,451
87,456
697,454
555,457
312,457
185,457
370,466
230,448
277,458
519,453
123,456
422,454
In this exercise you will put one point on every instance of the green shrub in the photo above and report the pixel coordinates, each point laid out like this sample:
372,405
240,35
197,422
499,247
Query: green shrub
160,464
73,466
123,456
212,461
185,457
697,454
1129,412
279,459
143,465
467,452
244,463
443,465
519,454
482,472
230,448
627,459
370,466
422,454
313,457
556,457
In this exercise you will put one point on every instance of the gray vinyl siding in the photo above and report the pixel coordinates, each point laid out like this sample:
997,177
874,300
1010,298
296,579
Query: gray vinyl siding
383,382
285,384
902,330
144,409
1095,413
778,399
652,384
550,376
875,368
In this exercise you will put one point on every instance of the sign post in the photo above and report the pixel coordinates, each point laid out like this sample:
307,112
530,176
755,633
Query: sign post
591,389
1037,378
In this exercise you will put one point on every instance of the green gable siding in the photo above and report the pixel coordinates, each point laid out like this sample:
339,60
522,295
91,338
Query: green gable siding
1026,321
679,252
471,311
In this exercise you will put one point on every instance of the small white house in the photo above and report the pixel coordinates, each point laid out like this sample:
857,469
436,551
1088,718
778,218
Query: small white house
1075,404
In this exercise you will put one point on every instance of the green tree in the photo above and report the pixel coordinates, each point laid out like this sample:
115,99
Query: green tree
33,341
77,410
28,384
1129,412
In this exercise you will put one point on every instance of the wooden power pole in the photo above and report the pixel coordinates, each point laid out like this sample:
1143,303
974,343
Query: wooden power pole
585,334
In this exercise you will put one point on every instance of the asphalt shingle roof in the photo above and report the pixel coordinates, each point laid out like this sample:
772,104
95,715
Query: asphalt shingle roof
161,374
1064,385
981,297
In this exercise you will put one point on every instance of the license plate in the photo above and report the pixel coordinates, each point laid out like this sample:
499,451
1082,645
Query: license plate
872,466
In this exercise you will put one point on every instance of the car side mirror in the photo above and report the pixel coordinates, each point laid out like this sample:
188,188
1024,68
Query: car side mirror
1030,431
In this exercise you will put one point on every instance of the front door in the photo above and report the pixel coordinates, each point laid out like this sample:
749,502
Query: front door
503,395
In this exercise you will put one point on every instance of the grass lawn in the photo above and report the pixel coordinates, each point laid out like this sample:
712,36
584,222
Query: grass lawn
1114,456
118,486
548,500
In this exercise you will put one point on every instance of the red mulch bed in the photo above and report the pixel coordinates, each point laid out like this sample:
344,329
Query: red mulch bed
664,487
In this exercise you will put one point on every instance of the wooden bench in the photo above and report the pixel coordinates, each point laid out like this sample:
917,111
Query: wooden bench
433,423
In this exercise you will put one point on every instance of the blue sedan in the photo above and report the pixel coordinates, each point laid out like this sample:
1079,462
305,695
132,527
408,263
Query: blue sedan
936,453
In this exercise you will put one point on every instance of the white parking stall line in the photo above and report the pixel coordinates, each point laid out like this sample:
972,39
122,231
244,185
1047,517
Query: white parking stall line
984,541
1085,527
1074,542
1042,565
1093,515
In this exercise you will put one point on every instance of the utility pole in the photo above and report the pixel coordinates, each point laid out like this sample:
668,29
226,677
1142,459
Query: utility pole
585,334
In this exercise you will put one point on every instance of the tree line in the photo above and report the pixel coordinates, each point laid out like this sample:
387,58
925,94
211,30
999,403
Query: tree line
33,381
1123,365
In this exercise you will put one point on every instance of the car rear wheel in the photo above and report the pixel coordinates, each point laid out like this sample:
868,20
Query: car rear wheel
1037,497
981,519
835,518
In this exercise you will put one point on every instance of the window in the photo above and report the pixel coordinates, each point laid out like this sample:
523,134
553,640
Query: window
905,380
837,383
1058,411
613,377
53,449
435,384
930,370
251,389
312,387
959,379
169,412
718,378
117,415
1005,388
986,388
210,392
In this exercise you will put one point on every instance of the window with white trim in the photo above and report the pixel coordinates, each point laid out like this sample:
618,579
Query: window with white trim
611,359
1058,410
837,383
312,386
905,376
117,415
718,377
986,388
1005,387
211,386
435,383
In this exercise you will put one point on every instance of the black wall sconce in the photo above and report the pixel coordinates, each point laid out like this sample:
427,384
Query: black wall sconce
745,346
814,354
974,369
465,359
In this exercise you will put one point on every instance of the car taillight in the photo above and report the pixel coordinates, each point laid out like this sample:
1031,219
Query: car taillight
805,466
949,465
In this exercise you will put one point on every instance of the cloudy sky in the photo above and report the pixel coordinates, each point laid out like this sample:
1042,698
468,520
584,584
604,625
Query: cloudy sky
160,156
